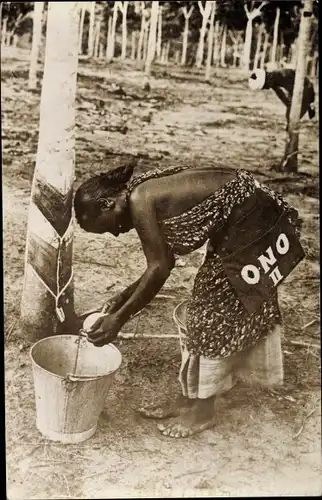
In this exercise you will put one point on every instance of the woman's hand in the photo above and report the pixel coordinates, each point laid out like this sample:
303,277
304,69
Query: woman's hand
106,332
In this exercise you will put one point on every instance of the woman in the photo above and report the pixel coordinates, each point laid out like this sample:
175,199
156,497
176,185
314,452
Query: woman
233,308
282,82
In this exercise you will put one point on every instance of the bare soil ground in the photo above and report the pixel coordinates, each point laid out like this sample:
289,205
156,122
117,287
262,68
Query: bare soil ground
266,442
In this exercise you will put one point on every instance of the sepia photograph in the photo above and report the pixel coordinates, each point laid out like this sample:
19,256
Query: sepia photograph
161,255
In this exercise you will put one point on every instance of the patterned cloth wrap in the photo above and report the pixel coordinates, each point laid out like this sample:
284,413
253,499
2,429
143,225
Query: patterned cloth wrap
218,323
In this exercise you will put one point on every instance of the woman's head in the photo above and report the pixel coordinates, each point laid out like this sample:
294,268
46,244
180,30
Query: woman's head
101,202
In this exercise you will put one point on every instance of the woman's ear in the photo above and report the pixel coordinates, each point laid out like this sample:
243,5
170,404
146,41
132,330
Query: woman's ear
106,203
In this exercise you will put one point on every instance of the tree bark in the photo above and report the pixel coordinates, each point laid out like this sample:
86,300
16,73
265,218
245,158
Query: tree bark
4,30
133,46
187,15
249,33
1,4
111,34
258,45
264,52
152,36
205,12
294,50
108,36
81,29
290,160
215,56
35,48
159,33
90,48
97,33
123,8
145,41
210,41
47,305
275,39
144,23
223,48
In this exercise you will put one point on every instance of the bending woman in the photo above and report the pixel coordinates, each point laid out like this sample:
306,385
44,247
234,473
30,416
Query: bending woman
233,316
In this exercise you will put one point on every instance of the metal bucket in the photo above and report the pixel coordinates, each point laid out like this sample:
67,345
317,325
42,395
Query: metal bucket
179,317
68,406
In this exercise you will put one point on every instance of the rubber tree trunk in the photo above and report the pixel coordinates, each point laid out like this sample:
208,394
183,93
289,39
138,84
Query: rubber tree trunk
47,305
145,40
187,14
97,34
81,29
251,15
223,48
144,22
133,46
159,34
111,34
152,36
35,47
258,45
290,160
264,52
109,29
123,6
205,12
4,30
275,38
216,44
90,48
1,5
210,41
248,43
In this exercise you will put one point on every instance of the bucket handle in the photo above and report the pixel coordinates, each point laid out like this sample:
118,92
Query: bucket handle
80,378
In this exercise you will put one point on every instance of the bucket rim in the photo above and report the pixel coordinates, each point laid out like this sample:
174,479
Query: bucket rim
64,377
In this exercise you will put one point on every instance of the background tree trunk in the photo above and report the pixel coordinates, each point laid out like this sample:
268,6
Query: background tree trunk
258,45
159,33
249,33
133,45
223,48
111,34
90,48
290,161
152,36
247,43
216,48
205,12
275,39
109,30
36,39
123,7
210,41
47,305
81,29
264,52
145,40
1,5
4,30
187,15
144,22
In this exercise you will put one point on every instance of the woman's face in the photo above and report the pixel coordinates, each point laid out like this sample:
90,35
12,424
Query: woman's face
104,221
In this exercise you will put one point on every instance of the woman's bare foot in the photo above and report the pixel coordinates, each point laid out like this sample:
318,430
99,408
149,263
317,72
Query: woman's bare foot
166,410
199,418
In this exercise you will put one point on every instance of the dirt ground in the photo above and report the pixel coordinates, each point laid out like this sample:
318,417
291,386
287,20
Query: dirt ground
266,442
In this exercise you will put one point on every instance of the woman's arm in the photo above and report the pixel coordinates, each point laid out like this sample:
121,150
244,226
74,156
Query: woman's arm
160,261
119,299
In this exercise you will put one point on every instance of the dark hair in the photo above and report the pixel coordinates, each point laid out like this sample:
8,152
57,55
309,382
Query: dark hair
90,193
